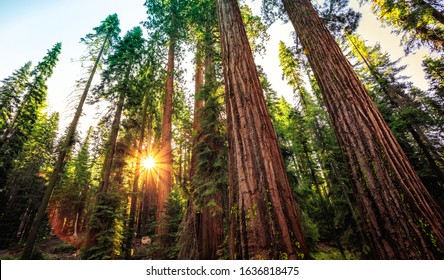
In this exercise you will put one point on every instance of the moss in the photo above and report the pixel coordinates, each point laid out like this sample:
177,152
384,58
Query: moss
283,256
333,255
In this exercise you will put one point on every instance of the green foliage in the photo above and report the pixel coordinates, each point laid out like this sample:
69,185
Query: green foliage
167,19
434,70
29,174
70,198
414,116
106,35
256,30
336,15
11,93
419,22
103,223
64,248
20,129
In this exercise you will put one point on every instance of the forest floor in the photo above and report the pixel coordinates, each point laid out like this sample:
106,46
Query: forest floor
54,248
51,248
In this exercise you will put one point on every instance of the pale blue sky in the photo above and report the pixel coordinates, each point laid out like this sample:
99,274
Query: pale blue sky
29,27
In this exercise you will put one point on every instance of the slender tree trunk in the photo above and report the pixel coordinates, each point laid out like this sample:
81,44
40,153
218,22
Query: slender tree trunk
264,221
188,234
108,162
60,163
148,192
210,220
107,168
166,155
134,193
403,220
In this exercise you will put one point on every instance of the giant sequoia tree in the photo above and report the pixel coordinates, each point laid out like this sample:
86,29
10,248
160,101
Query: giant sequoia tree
402,219
166,17
264,220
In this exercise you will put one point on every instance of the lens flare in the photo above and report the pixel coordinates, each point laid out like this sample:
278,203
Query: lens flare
148,163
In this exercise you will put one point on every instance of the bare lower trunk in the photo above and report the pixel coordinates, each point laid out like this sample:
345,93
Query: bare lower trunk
188,230
108,162
264,221
166,160
403,220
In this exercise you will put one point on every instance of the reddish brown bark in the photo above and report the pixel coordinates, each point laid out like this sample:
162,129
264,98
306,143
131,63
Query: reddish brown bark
264,221
166,157
188,236
402,219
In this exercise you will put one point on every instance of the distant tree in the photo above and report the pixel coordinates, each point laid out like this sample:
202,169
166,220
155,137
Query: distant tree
11,93
27,181
434,69
117,83
21,125
104,35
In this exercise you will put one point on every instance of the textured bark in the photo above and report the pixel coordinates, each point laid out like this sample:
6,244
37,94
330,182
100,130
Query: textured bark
398,100
402,219
166,180
264,221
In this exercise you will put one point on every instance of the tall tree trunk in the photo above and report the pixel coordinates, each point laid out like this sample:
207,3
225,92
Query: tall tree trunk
210,220
107,166
403,220
134,193
166,155
188,236
398,100
60,163
108,162
148,189
264,221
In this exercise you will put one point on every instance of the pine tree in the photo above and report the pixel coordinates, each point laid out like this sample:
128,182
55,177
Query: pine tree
21,125
11,92
27,181
166,17
117,79
419,22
